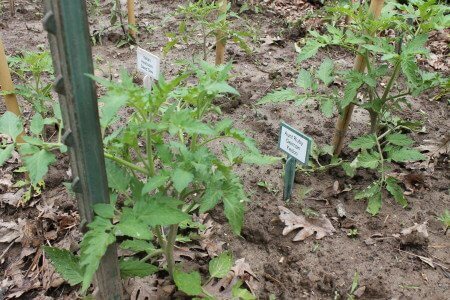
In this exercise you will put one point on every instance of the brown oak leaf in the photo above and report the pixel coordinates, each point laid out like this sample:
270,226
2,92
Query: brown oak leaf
321,226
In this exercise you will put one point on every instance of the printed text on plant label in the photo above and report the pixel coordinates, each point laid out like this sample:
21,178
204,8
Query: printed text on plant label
148,63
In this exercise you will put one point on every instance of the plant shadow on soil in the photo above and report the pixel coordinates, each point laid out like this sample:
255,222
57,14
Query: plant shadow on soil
311,269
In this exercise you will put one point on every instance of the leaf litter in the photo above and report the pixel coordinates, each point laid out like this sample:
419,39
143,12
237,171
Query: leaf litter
320,226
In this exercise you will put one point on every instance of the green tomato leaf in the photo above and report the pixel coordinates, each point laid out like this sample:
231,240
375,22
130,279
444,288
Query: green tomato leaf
136,268
405,155
327,106
241,293
181,179
396,191
211,198
374,205
399,139
133,228
234,211
118,178
37,124
37,165
6,153
154,212
309,50
137,246
189,283
154,183
221,265
279,96
66,264
11,125
304,79
369,191
364,142
104,210
325,70
369,160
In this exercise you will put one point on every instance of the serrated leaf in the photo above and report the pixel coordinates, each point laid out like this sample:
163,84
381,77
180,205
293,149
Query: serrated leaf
118,177
66,264
327,107
405,155
369,191
154,183
221,265
325,70
349,169
181,179
411,70
374,204
137,245
163,213
279,96
104,210
37,124
10,125
258,159
309,50
399,139
37,165
211,198
304,79
6,153
369,160
221,88
133,228
350,91
189,283
112,102
136,268
364,142
396,191
234,211
416,45
93,247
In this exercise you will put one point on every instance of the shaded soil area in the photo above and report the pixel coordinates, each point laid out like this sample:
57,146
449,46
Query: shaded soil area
389,265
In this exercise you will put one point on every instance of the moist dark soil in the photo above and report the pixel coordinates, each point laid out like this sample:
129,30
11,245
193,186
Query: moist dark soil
388,266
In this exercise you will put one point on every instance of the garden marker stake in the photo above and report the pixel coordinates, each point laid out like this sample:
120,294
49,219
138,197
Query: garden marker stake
6,84
149,65
131,19
297,146
68,34
360,66
220,36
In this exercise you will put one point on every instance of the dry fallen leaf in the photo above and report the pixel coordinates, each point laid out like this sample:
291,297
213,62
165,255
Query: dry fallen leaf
241,271
321,226
149,287
10,231
415,235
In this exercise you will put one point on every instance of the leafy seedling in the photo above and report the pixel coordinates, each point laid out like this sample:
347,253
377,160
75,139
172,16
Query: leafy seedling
445,219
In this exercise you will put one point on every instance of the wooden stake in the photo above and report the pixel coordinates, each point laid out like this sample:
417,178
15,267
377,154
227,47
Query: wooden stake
131,19
6,84
11,8
221,38
360,66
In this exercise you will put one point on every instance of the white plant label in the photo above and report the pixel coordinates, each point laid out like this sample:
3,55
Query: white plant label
148,63
295,143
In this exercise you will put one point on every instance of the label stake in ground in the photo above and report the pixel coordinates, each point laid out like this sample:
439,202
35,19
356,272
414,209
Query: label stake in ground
149,65
297,146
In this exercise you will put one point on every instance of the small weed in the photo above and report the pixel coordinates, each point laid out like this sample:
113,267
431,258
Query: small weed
445,219
353,233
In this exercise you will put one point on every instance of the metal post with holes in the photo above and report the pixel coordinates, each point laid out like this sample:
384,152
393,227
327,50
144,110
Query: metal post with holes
68,34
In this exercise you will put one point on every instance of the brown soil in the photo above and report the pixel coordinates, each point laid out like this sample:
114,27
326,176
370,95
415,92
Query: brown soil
310,269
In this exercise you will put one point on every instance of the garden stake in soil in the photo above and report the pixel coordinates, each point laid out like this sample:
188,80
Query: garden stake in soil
297,146
66,23
360,66
6,84
131,19
220,36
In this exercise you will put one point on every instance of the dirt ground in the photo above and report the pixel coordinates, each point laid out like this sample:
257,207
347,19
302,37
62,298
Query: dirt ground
389,266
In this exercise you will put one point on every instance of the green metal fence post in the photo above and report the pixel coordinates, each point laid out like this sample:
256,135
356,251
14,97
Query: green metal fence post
68,32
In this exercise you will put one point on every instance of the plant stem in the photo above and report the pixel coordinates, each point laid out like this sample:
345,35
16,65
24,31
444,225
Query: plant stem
153,254
391,82
162,242
381,159
126,163
173,230
151,164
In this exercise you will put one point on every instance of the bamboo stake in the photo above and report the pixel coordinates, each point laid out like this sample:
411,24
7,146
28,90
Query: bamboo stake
11,8
360,66
221,38
131,19
6,84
